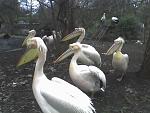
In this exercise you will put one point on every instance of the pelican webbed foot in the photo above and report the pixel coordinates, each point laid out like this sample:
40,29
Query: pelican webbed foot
120,78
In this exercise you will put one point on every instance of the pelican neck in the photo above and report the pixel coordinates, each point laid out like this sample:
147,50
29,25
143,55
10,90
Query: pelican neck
81,37
39,65
120,48
74,58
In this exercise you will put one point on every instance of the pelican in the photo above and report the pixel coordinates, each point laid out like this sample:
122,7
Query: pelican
115,19
103,18
49,40
87,78
55,95
88,54
120,61
31,34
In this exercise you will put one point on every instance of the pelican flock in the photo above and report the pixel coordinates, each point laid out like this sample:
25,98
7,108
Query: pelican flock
120,61
87,78
55,95
89,55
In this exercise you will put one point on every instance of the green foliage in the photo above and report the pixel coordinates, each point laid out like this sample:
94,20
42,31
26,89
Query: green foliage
128,25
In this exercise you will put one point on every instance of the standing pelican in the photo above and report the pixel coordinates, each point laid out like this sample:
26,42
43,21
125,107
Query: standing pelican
87,78
55,95
89,55
50,40
119,61
103,18
31,34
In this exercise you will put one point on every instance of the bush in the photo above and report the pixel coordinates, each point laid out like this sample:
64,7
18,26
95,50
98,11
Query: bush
127,27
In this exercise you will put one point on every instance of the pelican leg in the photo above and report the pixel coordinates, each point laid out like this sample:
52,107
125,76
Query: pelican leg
120,78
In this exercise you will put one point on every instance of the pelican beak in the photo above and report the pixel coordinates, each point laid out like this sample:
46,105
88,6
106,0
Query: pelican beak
113,48
28,56
72,35
64,55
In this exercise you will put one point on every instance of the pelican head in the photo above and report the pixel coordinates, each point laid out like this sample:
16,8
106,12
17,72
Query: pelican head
117,46
36,43
73,48
31,34
75,33
54,32
35,47
44,37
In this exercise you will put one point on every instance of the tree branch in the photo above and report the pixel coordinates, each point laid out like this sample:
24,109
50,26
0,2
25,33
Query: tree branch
43,4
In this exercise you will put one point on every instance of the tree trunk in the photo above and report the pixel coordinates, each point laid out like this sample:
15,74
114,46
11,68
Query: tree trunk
145,68
30,20
53,16
65,16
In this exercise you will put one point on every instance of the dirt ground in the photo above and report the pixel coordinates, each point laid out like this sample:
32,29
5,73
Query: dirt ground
132,95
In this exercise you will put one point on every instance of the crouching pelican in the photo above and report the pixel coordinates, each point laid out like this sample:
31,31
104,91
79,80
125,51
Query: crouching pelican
87,78
119,61
88,54
55,95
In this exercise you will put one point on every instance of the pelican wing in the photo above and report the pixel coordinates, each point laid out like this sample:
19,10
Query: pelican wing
126,58
66,98
126,61
94,74
74,89
99,75
122,63
91,54
88,74
84,59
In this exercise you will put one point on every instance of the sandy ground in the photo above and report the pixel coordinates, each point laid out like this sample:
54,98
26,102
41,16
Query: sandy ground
132,95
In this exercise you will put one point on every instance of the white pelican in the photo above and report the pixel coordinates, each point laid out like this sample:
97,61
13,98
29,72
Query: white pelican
103,18
55,95
139,42
87,78
88,55
119,61
31,34
115,19
50,40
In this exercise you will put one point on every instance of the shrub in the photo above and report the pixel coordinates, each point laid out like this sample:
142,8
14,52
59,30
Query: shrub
127,27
